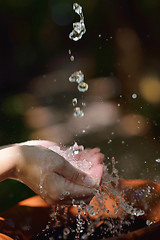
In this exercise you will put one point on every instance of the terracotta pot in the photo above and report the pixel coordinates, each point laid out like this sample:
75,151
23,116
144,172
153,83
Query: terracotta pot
30,219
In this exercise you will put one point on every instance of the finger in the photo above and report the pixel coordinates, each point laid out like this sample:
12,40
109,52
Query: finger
59,189
75,175
97,172
43,143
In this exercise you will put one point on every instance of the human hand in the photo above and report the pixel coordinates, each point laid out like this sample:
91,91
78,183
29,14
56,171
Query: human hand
54,175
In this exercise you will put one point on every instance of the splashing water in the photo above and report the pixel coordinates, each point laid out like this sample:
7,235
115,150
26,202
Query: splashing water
90,218
77,76
79,28
109,186
78,31
77,112
74,102
82,87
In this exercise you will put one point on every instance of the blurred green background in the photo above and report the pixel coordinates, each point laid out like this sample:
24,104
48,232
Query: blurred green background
120,57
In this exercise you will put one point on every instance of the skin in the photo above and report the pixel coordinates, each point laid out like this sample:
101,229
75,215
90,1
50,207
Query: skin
47,173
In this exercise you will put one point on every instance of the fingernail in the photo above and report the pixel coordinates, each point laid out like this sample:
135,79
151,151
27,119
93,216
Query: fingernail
91,182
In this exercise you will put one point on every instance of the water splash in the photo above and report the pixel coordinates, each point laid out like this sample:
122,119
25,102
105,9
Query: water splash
66,232
77,77
78,31
71,56
90,218
82,87
74,102
79,28
78,112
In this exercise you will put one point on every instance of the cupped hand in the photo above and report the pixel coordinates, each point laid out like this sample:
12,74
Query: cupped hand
58,174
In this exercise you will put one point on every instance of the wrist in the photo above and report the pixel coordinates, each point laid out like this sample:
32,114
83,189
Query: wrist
8,162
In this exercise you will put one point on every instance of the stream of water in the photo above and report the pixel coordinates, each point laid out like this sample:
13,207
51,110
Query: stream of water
77,33
85,224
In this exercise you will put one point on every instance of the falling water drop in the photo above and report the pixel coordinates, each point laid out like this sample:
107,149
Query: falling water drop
158,160
78,112
74,102
72,58
148,222
78,9
66,232
82,87
77,76
134,95
78,27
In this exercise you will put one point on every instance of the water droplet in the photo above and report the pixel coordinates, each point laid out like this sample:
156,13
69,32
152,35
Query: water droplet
90,210
40,188
66,232
61,197
76,152
134,95
77,76
158,160
78,112
51,238
148,222
78,27
82,87
83,104
72,58
73,203
78,31
74,102
78,9
69,51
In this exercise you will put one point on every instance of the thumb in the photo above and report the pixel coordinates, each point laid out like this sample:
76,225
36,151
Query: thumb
75,175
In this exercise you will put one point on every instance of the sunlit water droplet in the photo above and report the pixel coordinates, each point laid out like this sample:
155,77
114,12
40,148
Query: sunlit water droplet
72,58
158,160
134,95
90,210
107,191
83,104
74,102
66,232
77,76
82,87
76,152
78,27
149,222
78,112
78,9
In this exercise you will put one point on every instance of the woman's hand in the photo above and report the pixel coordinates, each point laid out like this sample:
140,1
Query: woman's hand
50,175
